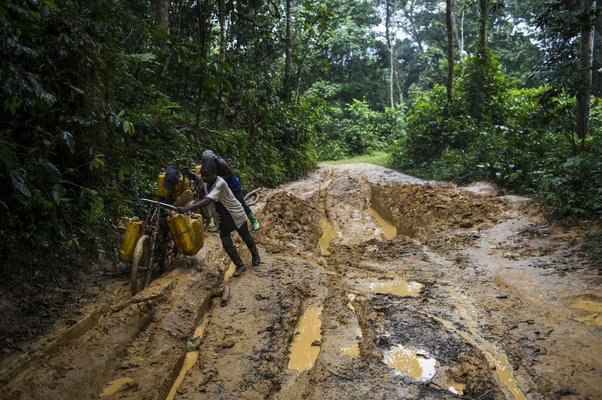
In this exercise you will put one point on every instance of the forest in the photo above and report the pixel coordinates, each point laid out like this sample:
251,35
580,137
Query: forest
97,96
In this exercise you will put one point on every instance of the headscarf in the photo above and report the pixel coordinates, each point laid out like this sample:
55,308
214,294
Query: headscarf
207,155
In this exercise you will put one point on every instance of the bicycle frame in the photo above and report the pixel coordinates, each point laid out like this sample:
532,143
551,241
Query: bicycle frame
152,223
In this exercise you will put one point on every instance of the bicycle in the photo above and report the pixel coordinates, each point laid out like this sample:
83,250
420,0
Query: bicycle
155,249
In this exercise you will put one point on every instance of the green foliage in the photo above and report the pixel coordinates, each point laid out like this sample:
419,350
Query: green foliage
481,86
374,157
355,129
95,101
521,139
432,131
95,98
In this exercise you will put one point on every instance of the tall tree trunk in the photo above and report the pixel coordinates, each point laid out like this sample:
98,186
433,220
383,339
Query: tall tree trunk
398,86
584,79
204,11
221,14
391,53
450,49
287,51
222,30
483,20
459,33
161,13
461,43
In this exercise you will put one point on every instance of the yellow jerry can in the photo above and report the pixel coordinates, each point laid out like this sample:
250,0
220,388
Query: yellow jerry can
187,232
161,191
133,230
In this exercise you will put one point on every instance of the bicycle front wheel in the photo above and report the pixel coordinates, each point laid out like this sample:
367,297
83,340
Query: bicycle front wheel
140,264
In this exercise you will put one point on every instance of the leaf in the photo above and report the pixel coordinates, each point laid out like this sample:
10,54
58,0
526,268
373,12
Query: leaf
126,126
141,57
58,192
51,172
69,141
8,156
18,183
98,161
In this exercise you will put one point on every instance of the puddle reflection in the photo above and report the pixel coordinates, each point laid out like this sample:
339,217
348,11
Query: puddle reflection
413,363
399,287
457,388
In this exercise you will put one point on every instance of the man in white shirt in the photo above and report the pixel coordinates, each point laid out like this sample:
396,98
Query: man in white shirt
231,214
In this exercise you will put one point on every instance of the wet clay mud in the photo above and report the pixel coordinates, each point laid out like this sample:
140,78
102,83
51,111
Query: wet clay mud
372,285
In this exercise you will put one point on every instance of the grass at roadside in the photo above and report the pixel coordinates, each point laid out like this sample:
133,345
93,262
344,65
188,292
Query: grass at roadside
376,157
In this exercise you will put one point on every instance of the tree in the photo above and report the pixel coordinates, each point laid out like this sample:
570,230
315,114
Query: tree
450,47
388,17
483,22
287,52
161,13
203,39
584,75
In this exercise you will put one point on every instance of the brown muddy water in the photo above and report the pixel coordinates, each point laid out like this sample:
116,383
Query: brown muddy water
372,285
306,343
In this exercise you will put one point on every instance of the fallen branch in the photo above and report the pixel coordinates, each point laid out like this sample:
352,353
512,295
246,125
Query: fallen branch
253,196
252,192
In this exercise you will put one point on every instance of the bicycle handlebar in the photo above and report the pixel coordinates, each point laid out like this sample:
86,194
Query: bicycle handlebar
158,202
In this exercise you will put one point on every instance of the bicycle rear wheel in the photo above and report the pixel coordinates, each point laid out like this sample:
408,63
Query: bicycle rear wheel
140,274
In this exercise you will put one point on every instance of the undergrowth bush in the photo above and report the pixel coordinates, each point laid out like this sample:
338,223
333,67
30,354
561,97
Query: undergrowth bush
355,129
520,139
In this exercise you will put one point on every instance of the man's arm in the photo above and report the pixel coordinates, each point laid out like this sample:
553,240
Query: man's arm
204,202
225,170
191,175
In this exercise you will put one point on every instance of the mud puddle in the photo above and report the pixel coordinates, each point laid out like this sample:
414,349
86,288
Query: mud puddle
592,309
327,236
189,361
398,287
115,386
415,364
389,231
306,343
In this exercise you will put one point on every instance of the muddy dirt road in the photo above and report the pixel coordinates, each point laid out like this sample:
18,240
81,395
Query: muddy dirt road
373,285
